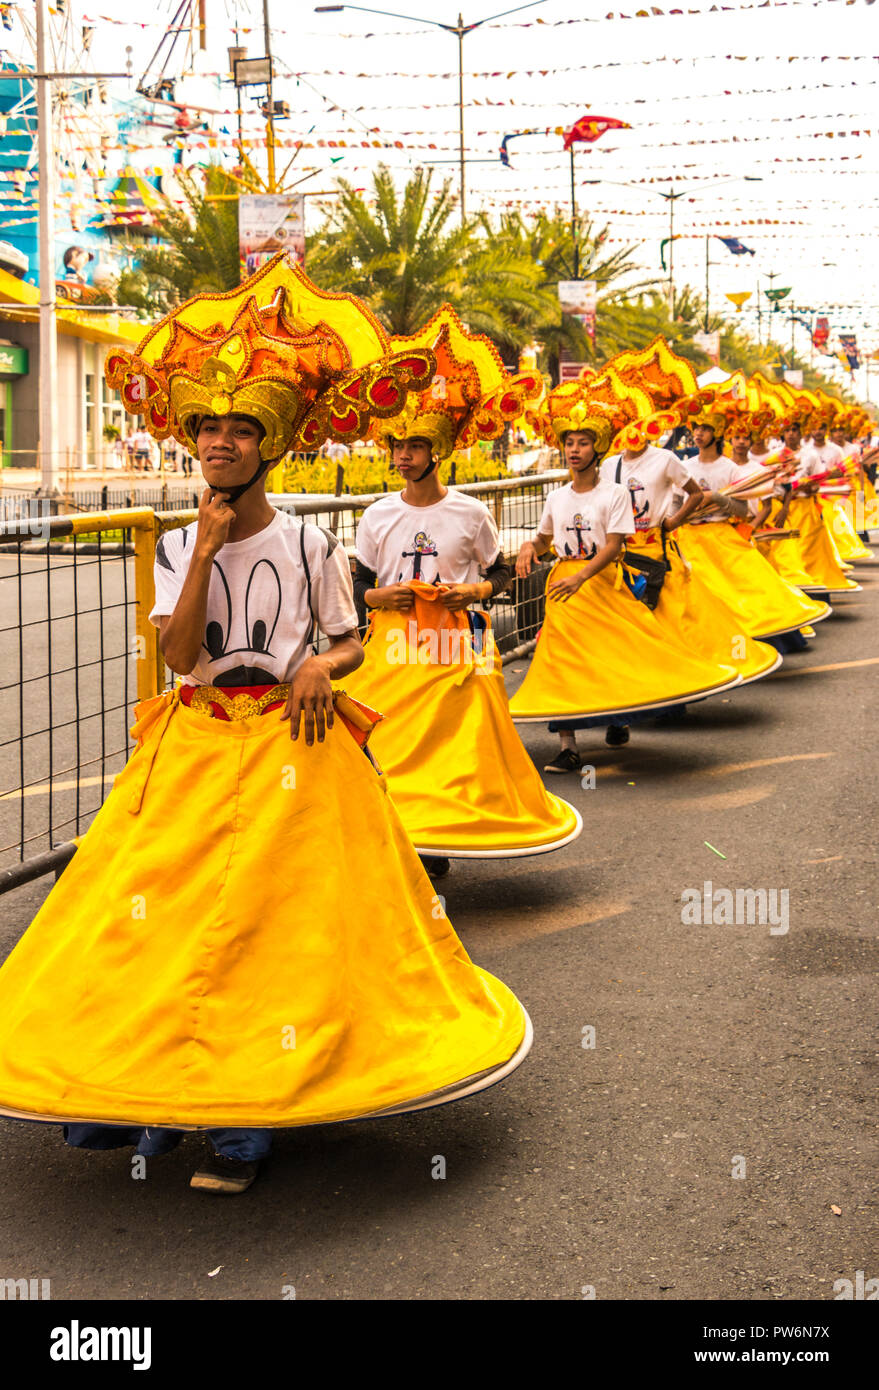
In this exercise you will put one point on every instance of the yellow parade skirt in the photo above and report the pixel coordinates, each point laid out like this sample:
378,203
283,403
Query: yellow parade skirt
818,554
456,768
690,607
837,518
244,938
602,652
783,554
764,604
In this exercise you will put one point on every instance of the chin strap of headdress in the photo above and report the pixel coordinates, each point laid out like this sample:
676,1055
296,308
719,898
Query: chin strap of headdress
434,463
233,493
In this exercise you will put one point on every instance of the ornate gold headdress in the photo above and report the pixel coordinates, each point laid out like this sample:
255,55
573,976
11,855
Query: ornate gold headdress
612,409
307,364
471,395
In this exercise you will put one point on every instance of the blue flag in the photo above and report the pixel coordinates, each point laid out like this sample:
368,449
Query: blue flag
737,247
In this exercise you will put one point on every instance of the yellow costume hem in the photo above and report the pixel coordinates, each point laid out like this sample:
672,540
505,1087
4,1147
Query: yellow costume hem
764,603
603,653
244,938
457,771
523,852
456,1090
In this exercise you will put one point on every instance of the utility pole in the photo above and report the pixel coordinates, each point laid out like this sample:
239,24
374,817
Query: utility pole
270,106
707,253
574,229
48,415
461,32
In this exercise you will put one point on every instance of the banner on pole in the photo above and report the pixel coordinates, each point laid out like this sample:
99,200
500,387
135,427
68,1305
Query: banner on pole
269,223
579,298
710,345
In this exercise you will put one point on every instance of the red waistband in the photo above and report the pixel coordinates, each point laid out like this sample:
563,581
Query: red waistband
230,691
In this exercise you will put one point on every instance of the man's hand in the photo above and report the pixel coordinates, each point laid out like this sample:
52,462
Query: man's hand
564,589
398,597
459,596
310,700
526,559
215,517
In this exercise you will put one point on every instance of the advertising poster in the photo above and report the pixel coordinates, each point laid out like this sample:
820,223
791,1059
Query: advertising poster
579,298
269,223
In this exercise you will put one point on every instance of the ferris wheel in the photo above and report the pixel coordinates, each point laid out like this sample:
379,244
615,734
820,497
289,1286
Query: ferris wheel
85,121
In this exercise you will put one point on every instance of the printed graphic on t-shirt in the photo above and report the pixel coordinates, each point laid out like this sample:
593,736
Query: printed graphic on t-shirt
581,528
640,503
248,632
422,548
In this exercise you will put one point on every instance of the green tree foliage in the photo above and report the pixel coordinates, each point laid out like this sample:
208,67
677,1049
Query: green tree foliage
408,254
197,248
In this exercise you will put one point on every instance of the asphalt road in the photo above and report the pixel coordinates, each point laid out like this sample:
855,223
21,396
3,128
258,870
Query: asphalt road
718,1049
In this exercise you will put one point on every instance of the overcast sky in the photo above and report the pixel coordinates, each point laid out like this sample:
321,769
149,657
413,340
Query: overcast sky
790,123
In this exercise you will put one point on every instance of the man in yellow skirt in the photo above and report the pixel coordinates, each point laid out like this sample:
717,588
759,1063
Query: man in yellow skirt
428,560
245,940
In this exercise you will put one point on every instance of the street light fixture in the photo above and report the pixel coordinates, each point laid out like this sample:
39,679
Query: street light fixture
671,198
460,30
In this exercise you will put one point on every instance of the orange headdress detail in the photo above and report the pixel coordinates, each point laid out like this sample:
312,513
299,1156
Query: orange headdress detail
471,395
307,364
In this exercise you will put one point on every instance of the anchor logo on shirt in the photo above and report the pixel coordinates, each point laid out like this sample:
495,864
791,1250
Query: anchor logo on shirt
423,546
640,509
581,524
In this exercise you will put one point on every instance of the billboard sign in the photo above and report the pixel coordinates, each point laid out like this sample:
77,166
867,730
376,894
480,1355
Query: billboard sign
269,223
579,299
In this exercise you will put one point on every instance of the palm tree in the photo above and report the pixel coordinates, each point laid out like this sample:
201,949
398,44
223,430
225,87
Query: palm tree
402,257
197,250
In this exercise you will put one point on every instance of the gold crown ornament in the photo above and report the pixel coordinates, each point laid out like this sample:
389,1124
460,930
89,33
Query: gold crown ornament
307,364
658,370
612,409
470,397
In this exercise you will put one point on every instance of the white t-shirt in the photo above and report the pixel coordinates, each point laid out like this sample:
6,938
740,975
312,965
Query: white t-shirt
651,479
580,522
446,543
258,622
814,460
712,476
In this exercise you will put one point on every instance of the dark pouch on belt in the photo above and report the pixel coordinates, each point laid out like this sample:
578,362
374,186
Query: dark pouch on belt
647,583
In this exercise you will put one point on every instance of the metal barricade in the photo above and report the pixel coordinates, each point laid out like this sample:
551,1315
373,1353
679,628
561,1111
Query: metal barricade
77,647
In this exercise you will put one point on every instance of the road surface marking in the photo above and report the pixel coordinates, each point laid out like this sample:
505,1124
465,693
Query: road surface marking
834,666
45,787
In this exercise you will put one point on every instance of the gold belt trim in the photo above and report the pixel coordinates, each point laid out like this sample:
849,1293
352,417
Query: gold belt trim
237,707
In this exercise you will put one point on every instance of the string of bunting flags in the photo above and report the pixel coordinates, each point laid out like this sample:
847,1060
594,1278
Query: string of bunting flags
654,12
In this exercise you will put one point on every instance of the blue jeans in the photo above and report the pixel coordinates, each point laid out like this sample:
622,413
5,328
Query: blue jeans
247,1145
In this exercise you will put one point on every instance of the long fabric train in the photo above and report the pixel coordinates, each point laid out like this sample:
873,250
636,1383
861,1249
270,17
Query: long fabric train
603,652
456,768
292,967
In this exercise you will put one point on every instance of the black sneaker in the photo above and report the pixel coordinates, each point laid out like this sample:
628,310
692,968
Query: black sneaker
616,735
565,761
435,867
223,1175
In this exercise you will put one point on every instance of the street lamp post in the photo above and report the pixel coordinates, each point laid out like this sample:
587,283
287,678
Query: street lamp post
48,432
460,30
671,198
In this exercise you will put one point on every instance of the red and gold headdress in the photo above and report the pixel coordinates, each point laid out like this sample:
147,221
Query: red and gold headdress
658,370
608,407
307,364
471,395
